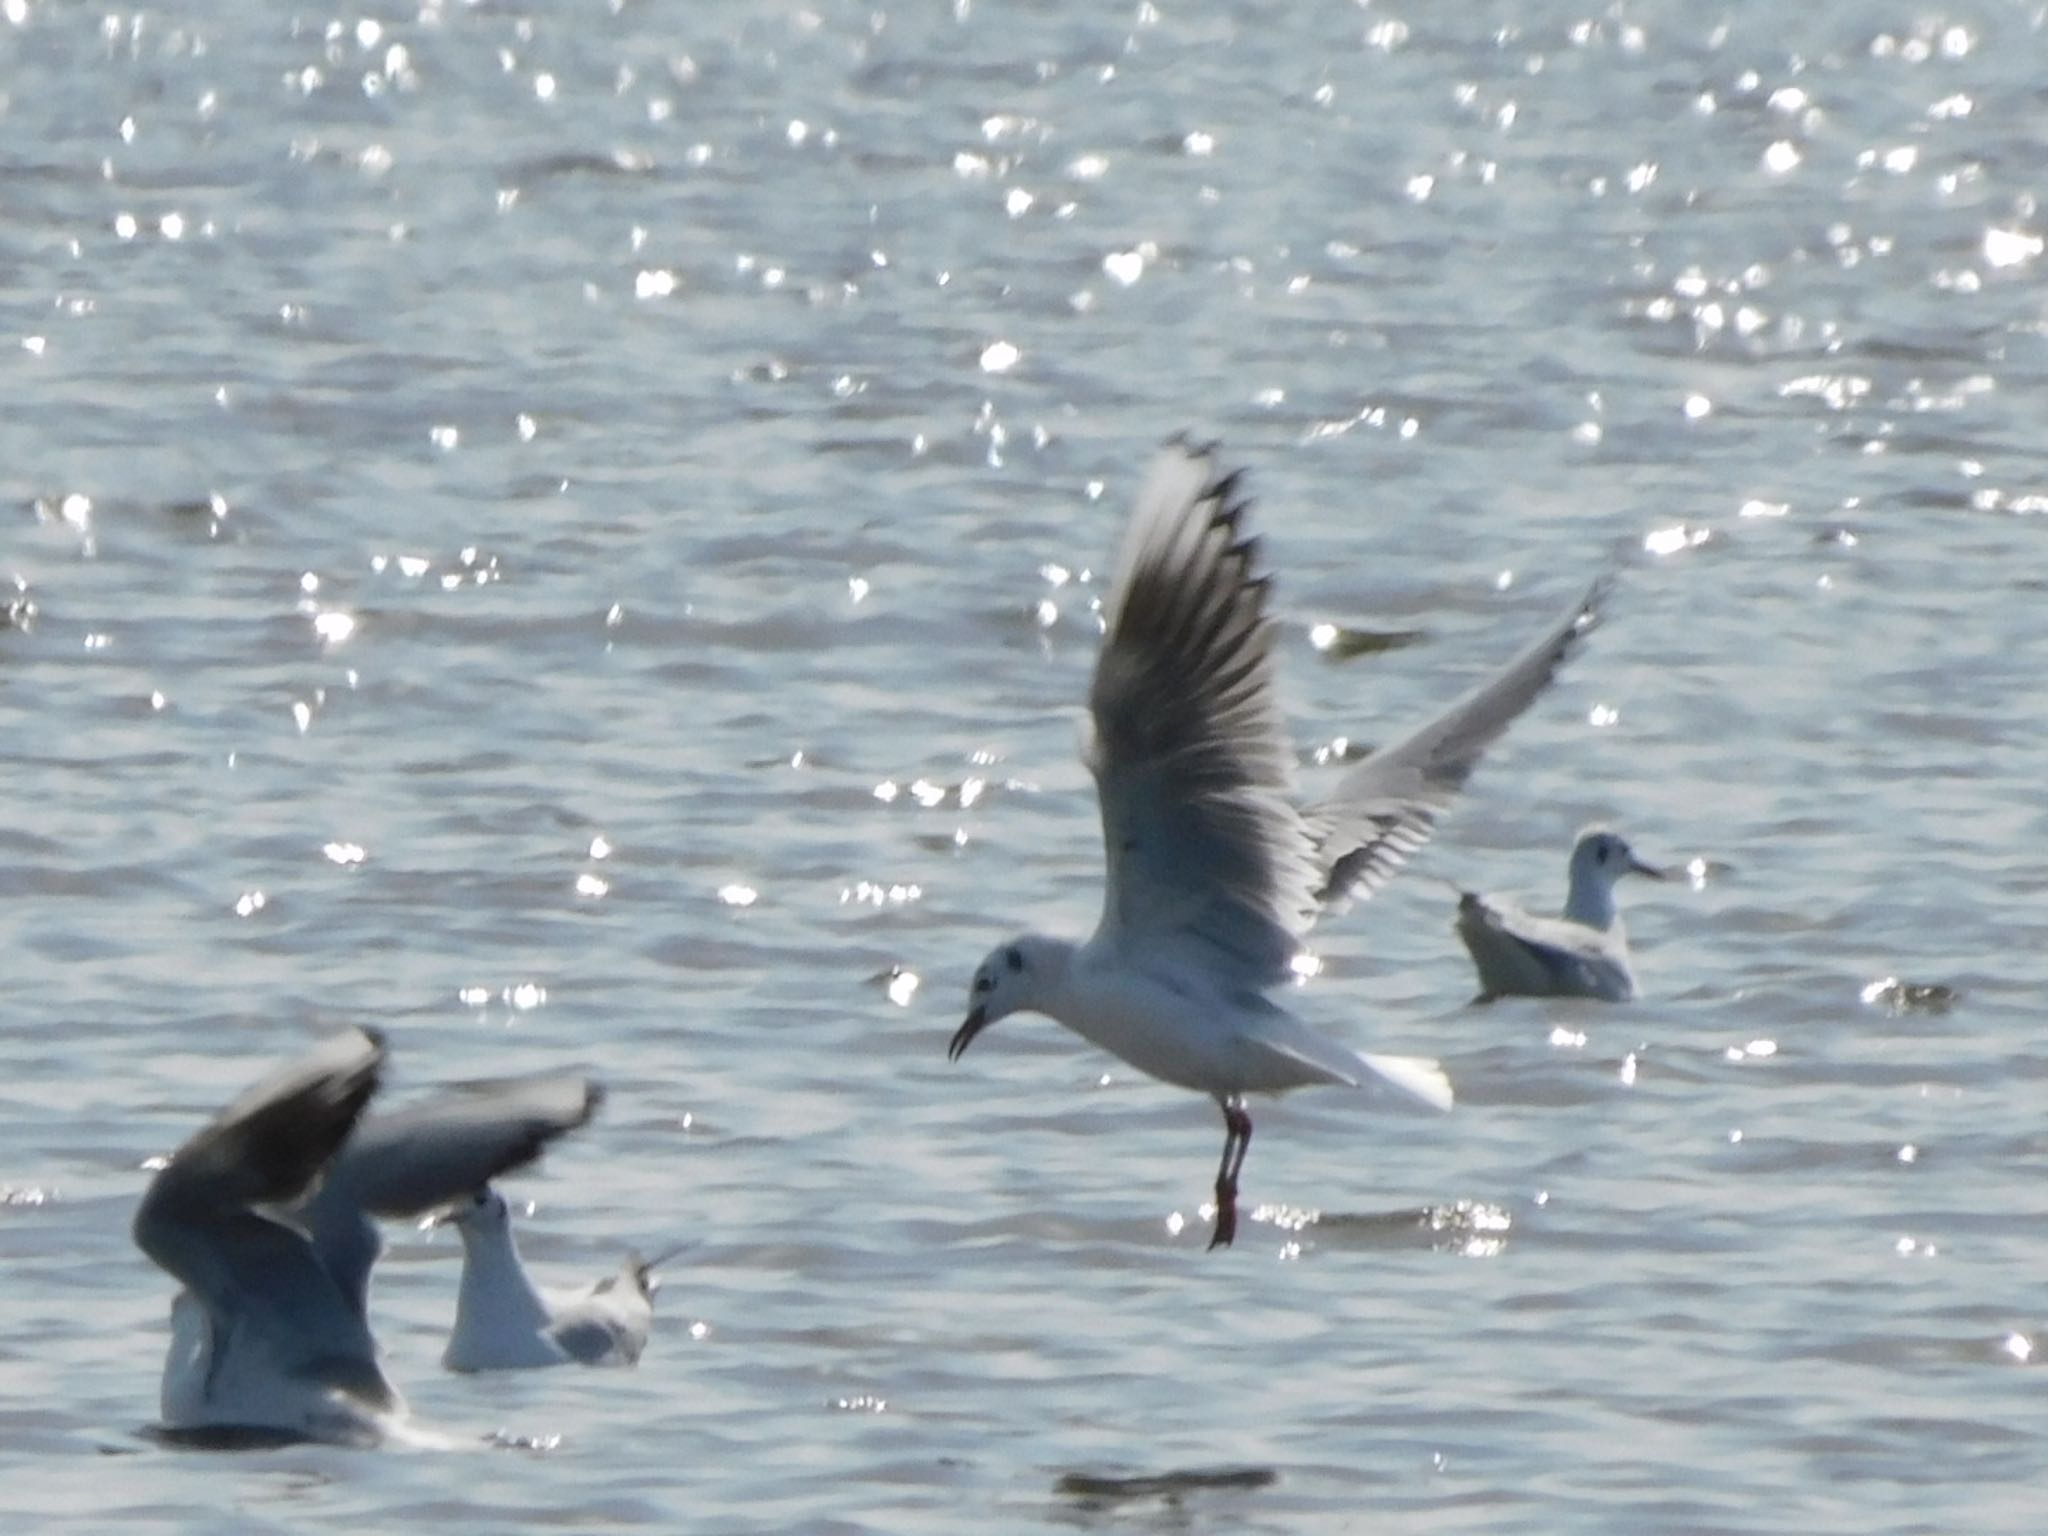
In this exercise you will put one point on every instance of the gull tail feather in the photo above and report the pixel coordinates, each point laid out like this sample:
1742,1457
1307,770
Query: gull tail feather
1417,1076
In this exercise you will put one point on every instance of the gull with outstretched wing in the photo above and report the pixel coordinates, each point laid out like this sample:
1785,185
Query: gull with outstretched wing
1215,875
265,1219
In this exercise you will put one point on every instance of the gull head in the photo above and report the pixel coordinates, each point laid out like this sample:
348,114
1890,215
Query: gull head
1015,976
1599,858
483,1213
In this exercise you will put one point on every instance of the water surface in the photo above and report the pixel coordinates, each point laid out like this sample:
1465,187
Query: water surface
573,536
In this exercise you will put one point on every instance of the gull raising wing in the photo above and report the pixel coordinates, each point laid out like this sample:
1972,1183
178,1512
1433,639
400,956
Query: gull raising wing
265,1218
1191,757
1385,808
404,1163
268,1340
1190,754
1214,874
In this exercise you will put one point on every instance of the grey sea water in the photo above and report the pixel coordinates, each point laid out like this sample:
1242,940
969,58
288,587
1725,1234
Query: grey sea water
571,534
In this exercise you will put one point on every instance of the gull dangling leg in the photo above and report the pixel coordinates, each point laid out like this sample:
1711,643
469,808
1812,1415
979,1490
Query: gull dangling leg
1237,1140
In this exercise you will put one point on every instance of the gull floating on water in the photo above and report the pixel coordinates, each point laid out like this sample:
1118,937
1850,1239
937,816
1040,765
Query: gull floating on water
1214,875
270,1337
503,1321
1584,953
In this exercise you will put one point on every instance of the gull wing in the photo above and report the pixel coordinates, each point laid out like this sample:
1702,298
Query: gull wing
1191,761
426,1155
1385,808
199,1223
1519,954
608,1324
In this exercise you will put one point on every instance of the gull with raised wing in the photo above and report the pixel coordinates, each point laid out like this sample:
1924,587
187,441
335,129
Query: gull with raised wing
270,1335
505,1322
1583,953
1214,874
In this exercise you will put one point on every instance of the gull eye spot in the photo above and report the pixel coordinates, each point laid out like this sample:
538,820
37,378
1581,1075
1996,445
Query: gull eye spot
1014,958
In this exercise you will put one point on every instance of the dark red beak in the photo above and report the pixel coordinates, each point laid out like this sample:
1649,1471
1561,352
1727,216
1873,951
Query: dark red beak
963,1037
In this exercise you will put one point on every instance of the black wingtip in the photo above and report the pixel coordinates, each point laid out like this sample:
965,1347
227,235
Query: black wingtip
1593,606
1229,488
288,1127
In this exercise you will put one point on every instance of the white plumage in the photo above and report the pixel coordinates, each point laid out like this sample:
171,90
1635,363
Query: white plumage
504,1321
1583,953
1214,874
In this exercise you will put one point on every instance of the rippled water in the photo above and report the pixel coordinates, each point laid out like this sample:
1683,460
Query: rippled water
571,534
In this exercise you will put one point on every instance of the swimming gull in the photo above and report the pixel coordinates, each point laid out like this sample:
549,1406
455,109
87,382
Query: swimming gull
1583,953
1214,875
270,1335
503,1321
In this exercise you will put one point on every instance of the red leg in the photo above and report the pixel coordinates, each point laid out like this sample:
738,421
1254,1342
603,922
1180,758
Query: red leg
1237,1140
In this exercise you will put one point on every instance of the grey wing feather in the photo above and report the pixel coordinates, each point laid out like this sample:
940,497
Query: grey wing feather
609,1324
416,1159
1385,809
1191,760
271,1143
591,1341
